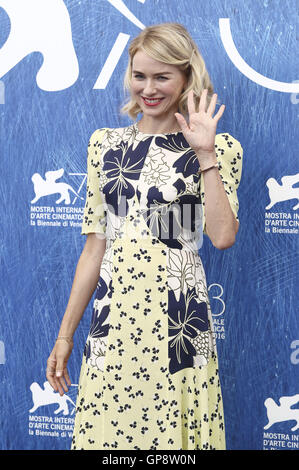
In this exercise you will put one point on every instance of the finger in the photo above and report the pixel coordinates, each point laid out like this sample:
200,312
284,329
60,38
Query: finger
60,388
60,365
190,102
50,371
63,379
60,375
51,363
202,101
219,113
67,377
182,122
62,384
53,376
212,105
59,383
50,375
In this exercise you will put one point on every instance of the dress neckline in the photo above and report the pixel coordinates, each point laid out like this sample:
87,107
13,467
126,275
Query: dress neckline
135,125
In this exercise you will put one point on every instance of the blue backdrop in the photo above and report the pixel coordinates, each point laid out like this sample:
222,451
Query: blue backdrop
61,70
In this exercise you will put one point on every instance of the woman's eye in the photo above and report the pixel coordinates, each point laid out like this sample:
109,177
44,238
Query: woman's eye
141,76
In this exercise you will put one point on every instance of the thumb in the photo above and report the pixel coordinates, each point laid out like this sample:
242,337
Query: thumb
59,372
59,366
182,122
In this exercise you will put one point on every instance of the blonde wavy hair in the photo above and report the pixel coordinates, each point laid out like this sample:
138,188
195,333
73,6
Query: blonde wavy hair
169,43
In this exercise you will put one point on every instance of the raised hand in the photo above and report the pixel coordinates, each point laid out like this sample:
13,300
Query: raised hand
201,131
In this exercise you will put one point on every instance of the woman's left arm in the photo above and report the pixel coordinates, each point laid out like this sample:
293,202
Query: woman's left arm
221,223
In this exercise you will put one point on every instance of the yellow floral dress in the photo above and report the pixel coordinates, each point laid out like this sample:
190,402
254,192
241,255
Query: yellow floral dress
149,377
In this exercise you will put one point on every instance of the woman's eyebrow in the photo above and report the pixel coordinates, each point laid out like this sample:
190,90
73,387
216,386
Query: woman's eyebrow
159,73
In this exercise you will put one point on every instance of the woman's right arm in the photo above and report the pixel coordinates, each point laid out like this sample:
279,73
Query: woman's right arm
85,281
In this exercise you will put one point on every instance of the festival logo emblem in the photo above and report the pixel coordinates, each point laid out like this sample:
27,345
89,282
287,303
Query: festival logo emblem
281,219
51,415
65,212
50,186
47,396
284,191
282,414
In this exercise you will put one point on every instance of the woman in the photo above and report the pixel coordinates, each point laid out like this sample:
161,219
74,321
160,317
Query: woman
149,377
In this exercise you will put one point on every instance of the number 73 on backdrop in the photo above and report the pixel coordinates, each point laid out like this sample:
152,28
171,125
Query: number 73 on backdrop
45,27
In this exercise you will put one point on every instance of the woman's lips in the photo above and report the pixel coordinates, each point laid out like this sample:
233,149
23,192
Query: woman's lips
155,101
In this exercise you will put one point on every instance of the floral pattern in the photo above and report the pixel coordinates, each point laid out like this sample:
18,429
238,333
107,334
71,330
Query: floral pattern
187,317
122,167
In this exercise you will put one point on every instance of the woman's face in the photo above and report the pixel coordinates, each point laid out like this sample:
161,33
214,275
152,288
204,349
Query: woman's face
162,83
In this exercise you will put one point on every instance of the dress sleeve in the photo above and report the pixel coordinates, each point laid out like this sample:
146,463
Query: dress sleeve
229,153
94,216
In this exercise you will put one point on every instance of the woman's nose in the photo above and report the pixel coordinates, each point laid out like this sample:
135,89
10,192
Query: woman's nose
149,88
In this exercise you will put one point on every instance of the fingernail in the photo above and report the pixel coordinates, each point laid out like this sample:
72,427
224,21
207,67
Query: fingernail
58,374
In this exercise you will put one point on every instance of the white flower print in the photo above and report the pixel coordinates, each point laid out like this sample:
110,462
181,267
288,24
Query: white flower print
98,353
156,170
181,271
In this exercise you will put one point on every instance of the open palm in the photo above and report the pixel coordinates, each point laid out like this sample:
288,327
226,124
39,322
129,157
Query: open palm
200,133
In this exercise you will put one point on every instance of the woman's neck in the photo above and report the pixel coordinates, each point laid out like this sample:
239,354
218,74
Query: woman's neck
154,126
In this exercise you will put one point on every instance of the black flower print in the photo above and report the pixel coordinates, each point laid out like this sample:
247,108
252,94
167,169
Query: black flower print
185,318
121,166
97,328
160,218
166,219
187,163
